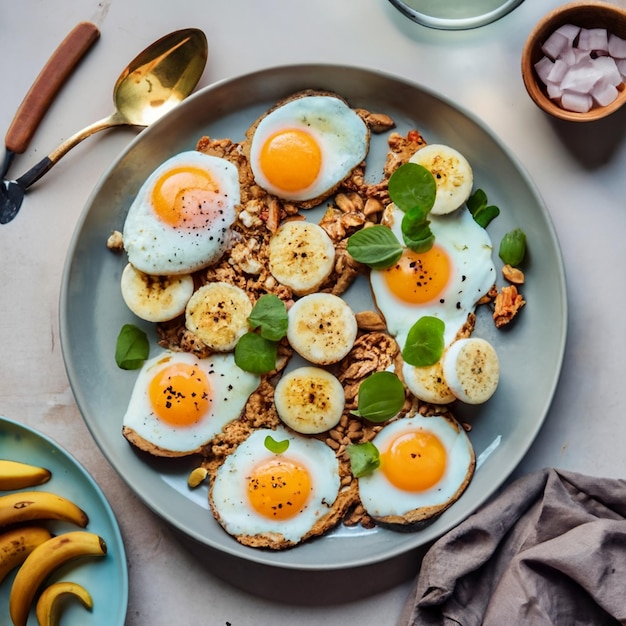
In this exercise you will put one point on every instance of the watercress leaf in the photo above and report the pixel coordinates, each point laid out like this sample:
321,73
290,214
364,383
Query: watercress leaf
416,232
278,447
424,344
477,201
381,396
484,216
376,247
256,354
481,211
513,247
270,314
132,347
411,186
364,458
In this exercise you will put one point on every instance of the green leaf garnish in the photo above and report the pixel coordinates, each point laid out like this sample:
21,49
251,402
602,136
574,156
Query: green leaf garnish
132,347
412,186
424,344
416,232
270,315
482,212
513,247
364,458
278,447
256,354
381,396
376,246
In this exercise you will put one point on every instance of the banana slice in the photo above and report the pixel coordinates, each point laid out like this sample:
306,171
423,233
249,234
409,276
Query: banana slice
309,400
472,370
453,175
301,256
217,314
427,383
155,298
321,328
50,603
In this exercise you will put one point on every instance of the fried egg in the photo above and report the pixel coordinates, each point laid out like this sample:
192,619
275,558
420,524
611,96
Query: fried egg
180,220
275,500
180,402
445,282
425,465
304,148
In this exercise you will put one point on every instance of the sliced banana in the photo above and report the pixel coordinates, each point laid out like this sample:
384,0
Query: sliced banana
155,298
453,175
427,383
472,370
217,314
321,328
301,256
310,400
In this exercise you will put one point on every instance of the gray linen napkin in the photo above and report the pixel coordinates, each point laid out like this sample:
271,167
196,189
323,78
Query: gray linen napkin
550,548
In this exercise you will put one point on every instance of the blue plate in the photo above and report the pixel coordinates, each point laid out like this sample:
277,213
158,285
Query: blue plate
105,578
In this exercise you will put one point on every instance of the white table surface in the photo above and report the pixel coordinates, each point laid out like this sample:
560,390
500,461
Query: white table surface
579,170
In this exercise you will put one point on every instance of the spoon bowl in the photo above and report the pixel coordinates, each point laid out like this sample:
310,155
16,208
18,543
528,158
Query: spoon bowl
154,82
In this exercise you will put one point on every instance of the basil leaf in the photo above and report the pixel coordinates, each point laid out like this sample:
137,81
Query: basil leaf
381,396
424,344
277,447
513,247
376,246
416,232
270,314
132,347
412,186
256,354
364,458
480,210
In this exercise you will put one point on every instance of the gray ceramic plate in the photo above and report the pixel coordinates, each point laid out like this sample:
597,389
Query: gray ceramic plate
92,311
106,579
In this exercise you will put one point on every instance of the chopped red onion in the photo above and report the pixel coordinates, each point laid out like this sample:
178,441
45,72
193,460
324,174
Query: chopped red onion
582,67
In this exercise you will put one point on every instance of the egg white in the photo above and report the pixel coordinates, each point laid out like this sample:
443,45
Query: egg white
231,388
228,494
155,247
339,131
381,498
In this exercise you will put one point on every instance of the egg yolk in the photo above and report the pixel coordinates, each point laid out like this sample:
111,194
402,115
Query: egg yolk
418,278
414,461
185,197
180,394
291,159
279,488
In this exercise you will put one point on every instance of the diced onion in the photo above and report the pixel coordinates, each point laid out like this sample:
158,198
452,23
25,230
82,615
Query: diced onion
582,67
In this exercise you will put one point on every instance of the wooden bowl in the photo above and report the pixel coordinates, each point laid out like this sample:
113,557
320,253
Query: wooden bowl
584,14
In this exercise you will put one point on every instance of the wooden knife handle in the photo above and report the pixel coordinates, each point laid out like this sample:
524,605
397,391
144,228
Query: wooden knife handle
39,97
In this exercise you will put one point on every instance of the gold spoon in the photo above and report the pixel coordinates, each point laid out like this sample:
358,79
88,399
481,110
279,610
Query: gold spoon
159,78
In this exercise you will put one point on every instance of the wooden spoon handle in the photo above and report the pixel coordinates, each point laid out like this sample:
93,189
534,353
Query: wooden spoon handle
39,97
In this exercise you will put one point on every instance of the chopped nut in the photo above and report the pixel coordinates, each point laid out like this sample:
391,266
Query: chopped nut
370,320
513,274
115,241
507,305
196,477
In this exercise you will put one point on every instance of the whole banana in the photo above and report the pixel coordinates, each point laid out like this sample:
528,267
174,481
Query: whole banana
17,544
25,506
17,475
42,561
48,607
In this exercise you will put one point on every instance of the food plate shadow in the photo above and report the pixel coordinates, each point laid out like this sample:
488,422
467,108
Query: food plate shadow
332,587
